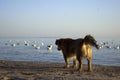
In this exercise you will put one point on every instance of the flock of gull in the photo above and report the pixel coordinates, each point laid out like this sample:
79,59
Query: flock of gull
38,45
34,44
109,45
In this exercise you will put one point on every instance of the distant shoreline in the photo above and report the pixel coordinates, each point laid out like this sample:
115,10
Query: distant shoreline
22,70
112,39
29,37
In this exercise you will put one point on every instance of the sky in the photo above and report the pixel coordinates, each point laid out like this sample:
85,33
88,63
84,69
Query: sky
60,18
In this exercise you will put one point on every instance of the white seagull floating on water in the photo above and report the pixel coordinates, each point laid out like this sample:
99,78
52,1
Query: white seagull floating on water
49,47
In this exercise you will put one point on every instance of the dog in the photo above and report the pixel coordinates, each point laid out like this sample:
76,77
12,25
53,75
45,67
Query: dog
77,49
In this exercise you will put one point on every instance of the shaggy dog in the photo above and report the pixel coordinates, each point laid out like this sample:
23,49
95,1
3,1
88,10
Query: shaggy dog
77,49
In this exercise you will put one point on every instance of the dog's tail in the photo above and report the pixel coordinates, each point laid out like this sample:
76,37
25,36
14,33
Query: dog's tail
90,40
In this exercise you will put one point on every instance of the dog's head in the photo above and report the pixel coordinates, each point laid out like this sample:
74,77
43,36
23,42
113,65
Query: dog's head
60,44
63,43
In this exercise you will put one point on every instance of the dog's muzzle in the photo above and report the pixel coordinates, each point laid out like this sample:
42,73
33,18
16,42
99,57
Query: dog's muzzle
58,48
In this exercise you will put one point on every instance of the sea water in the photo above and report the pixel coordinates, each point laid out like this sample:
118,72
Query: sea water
25,49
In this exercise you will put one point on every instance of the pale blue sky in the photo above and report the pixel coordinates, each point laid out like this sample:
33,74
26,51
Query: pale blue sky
62,18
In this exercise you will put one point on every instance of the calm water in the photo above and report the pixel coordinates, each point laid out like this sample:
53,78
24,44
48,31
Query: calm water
23,49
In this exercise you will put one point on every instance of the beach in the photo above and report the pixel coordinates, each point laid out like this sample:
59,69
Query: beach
21,70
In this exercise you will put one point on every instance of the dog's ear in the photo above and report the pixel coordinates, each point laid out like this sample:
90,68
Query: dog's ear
58,41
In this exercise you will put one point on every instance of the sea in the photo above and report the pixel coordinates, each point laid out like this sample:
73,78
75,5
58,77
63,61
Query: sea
36,50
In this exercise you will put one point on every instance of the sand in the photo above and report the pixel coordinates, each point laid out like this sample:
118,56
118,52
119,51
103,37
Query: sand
16,70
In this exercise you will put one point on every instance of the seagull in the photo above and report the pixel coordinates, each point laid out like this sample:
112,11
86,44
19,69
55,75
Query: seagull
37,47
49,47
13,45
33,45
117,47
26,44
42,43
100,46
109,47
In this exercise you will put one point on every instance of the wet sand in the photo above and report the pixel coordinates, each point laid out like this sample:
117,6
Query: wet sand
15,70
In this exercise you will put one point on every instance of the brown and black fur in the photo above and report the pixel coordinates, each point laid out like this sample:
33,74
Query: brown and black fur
77,49
68,48
85,51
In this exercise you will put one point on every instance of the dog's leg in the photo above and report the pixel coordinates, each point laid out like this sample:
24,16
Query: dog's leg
80,64
89,57
89,65
67,63
74,63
